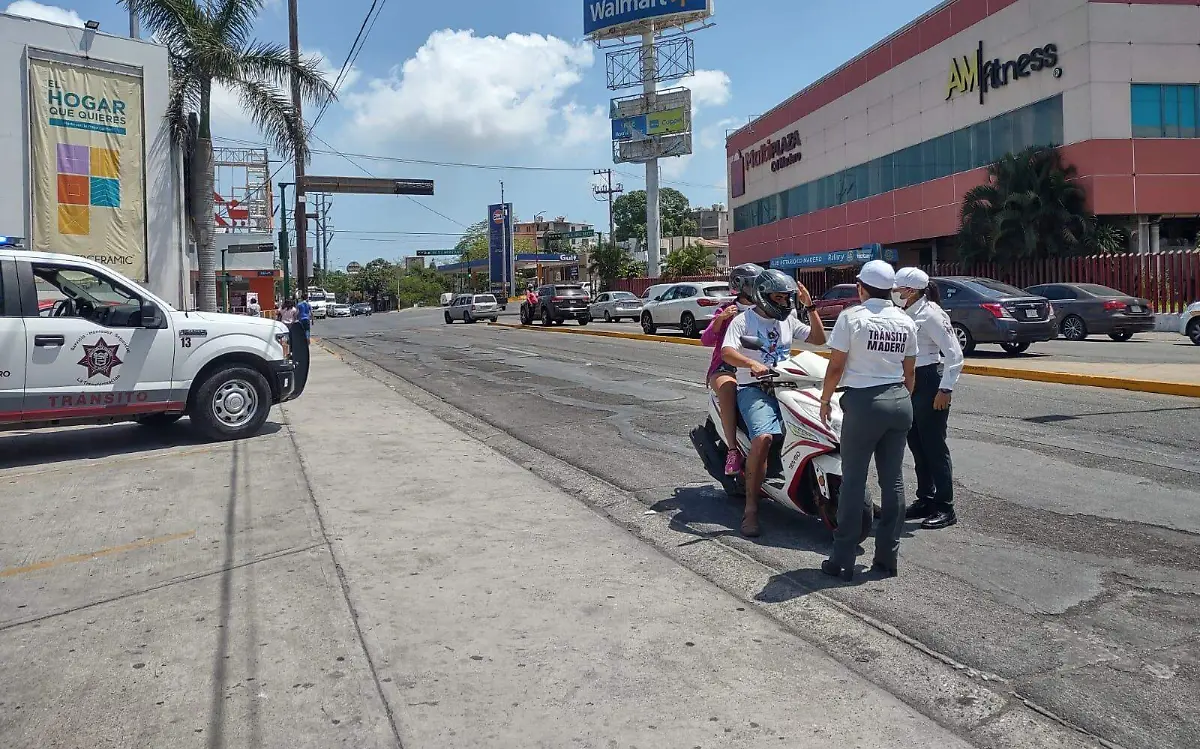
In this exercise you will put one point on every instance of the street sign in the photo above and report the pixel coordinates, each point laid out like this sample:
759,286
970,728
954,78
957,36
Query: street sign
368,185
353,268
255,247
578,234
431,253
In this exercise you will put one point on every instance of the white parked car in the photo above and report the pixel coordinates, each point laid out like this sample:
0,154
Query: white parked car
472,307
1189,322
108,350
339,310
688,306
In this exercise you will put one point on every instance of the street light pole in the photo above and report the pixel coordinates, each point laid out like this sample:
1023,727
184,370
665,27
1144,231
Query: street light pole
285,250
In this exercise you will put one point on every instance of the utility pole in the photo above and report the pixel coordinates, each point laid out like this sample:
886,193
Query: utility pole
300,213
323,226
606,193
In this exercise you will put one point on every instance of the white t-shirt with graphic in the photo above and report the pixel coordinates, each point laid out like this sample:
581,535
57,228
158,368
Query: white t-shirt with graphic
775,336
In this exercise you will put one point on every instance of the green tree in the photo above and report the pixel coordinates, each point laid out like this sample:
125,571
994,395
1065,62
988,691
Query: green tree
609,262
337,282
210,43
629,215
1030,208
689,260
375,279
421,285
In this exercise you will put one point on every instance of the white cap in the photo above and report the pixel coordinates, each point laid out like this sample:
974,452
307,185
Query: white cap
911,278
877,274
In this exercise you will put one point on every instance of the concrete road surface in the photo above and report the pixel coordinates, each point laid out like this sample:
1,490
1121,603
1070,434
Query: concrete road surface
1073,578
365,575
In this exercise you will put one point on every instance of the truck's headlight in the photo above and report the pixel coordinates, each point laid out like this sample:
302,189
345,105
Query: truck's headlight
285,341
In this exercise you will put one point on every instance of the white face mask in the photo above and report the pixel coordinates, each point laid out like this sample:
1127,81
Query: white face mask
898,299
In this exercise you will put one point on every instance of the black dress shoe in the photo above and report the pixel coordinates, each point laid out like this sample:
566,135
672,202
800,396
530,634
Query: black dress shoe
884,568
829,567
942,519
920,510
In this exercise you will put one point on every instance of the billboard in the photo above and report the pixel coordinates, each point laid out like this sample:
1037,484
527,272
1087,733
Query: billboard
608,18
499,231
629,128
87,163
668,122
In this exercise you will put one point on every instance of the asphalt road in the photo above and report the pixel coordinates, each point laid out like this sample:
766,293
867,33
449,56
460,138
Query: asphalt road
1073,575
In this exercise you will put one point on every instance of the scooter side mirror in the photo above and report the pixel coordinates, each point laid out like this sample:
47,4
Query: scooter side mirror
751,343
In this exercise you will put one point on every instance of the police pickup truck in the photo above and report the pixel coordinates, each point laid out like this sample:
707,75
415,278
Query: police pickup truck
81,344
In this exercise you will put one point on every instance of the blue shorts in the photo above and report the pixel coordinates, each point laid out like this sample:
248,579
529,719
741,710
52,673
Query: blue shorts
760,411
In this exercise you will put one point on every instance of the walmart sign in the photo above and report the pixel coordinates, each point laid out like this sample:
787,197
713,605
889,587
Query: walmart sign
599,15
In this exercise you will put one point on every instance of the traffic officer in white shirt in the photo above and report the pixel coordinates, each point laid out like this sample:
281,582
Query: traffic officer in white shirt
873,352
939,364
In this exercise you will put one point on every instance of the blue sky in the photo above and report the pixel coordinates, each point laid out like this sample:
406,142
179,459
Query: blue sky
512,84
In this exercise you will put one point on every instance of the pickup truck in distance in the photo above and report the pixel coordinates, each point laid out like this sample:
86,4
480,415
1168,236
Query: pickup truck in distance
106,350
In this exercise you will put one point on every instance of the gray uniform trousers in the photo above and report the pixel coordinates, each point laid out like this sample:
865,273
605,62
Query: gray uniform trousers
875,423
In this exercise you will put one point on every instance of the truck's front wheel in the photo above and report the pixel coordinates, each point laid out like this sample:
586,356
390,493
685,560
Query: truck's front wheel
231,403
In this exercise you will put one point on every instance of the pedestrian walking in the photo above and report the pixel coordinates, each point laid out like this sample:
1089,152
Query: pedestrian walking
872,362
939,365
289,314
304,316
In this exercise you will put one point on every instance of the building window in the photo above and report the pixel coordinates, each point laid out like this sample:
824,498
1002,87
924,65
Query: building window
1164,110
1038,124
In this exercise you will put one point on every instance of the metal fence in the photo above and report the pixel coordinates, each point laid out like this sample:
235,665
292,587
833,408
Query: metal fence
1169,280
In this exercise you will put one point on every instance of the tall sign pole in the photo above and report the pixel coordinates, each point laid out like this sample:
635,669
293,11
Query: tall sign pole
301,213
650,88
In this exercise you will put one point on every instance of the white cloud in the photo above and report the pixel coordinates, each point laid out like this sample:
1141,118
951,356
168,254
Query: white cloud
230,117
713,136
485,90
709,88
585,126
675,167
52,13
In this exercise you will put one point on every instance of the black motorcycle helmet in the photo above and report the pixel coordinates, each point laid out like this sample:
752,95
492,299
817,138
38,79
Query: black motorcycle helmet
775,282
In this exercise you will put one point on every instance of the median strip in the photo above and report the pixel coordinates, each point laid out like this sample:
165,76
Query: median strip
1161,387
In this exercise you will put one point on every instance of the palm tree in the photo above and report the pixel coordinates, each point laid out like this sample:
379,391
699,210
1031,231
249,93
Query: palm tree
609,262
210,43
1030,208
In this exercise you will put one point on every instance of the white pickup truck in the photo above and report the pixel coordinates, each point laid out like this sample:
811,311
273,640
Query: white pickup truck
81,344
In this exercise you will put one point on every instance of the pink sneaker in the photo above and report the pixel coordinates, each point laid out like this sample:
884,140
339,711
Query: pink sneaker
733,463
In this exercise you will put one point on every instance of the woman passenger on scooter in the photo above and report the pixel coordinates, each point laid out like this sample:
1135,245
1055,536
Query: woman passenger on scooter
721,377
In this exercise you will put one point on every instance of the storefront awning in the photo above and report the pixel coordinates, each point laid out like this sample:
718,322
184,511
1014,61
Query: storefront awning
862,255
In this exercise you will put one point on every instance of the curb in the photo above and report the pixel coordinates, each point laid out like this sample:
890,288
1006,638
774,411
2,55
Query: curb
1160,387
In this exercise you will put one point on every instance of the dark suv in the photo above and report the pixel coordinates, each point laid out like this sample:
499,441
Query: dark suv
984,310
562,301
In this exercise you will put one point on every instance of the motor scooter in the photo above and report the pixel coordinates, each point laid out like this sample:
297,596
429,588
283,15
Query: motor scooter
804,468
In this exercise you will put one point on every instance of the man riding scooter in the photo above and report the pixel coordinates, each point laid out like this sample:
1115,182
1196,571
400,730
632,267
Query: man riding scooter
773,323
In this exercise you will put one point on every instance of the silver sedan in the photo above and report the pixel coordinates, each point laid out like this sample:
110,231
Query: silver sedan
612,306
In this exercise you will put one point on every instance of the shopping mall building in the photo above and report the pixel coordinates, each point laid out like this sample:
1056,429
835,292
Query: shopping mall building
877,155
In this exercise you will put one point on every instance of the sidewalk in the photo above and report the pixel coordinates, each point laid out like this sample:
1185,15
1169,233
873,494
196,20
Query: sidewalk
500,612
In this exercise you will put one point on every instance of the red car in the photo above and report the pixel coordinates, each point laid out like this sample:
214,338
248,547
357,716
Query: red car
830,304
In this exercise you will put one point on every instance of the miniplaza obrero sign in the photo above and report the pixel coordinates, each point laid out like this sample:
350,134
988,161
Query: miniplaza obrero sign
780,153
975,74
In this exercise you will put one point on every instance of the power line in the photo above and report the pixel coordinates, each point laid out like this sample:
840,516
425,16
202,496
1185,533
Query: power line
360,39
